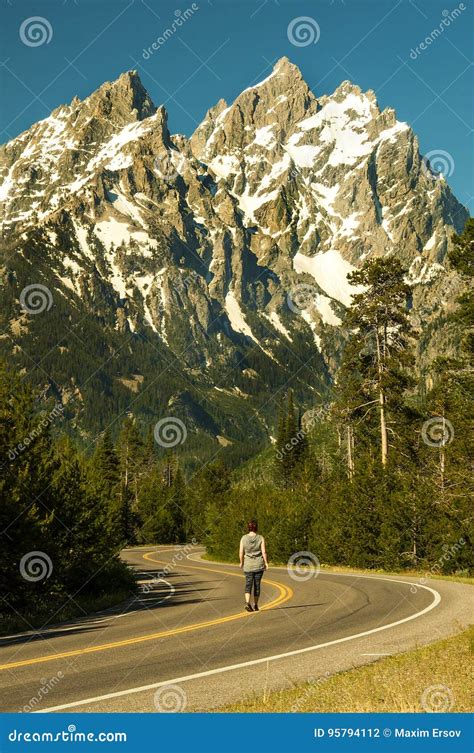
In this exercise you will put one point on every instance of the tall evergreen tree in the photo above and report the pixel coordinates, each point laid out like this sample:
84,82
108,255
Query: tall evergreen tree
104,482
291,445
131,452
375,366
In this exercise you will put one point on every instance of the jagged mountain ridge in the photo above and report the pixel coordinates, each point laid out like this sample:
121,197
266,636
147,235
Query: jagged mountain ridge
190,250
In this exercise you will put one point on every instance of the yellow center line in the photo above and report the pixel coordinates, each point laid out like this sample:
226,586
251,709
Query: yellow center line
285,593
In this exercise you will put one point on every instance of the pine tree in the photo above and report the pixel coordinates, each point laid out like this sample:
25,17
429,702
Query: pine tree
449,409
177,504
292,445
104,483
374,371
27,466
47,506
156,521
131,452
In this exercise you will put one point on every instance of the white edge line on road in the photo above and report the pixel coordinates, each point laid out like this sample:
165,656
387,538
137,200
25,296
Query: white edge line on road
253,662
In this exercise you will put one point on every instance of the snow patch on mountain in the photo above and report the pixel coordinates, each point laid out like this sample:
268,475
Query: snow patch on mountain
236,317
330,270
323,305
111,156
224,165
303,156
250,203
278,324
306,315
332,178
264,137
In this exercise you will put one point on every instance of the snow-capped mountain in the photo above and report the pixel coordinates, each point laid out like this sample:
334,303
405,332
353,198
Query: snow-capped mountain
215,265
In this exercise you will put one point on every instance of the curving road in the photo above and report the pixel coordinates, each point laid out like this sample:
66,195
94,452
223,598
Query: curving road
188,629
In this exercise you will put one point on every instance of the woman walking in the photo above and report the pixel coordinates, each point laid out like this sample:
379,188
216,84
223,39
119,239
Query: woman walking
253,560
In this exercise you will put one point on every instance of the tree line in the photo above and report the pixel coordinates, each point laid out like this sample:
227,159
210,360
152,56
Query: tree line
376,477
381,475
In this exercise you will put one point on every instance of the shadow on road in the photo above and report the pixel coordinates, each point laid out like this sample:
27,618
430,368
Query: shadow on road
153,594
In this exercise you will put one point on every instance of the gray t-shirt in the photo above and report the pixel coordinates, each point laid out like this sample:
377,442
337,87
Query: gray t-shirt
253,557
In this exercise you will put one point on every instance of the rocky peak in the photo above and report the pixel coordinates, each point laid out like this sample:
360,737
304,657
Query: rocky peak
271,106
62,155
123,100
198,245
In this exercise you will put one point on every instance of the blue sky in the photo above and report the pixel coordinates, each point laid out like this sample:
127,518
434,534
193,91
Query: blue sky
226,45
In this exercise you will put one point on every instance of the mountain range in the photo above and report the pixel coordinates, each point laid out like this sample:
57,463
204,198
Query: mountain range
201,277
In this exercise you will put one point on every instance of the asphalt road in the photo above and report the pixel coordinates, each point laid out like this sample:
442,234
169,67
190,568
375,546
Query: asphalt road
188,630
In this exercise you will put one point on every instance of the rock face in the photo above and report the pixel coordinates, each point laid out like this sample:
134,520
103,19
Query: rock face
221,258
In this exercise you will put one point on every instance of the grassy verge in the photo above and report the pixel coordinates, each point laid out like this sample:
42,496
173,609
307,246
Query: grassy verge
433,678
422,576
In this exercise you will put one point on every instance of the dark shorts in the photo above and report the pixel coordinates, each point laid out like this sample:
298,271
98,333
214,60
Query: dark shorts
253,580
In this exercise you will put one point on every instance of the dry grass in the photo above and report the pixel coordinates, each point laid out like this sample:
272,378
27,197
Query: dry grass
424,577
404,683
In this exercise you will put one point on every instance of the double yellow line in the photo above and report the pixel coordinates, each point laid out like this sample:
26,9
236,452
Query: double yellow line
284,594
